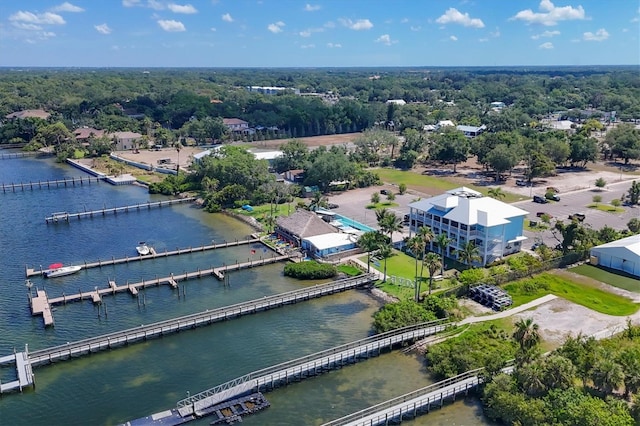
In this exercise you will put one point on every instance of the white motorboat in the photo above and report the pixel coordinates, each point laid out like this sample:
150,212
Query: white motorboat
61,271
143,249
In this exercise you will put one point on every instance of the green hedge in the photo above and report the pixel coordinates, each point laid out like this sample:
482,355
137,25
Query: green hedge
310,270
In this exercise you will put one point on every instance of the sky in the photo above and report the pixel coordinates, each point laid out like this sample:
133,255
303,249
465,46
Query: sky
319,33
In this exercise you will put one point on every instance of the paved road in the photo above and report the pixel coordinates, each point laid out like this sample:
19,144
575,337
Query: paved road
577,202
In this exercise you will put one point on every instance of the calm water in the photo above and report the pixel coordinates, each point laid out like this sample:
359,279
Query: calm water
112,387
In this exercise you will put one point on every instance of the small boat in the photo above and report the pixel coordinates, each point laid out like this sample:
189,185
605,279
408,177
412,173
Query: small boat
143,249
58,270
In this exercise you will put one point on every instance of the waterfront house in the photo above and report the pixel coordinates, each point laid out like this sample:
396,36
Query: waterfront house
83,134
300,225
466,215
325,245
125,140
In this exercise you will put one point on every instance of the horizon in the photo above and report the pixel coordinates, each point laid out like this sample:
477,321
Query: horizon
318,34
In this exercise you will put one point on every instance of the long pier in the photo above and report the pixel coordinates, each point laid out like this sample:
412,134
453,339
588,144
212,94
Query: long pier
26,361
41,303
30,272
412,404
64,216
48,184
291,371
22,154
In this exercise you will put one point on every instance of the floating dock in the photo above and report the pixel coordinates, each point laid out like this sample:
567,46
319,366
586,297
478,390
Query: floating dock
64,216
30,272
48,184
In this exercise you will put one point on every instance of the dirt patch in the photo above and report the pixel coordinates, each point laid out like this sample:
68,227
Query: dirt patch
311,142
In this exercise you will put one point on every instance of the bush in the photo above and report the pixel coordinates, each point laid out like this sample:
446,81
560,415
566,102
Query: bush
310,270
400,314
472,276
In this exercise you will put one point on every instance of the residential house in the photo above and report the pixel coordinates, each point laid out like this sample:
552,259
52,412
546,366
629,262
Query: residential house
398,102
83,134
295,176
465,215
300,225
125,140
444,123
471,131
28,113
236,125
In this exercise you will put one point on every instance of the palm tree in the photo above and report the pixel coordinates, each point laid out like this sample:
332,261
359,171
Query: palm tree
526,334
426,234
390,224
607,375
318,201
385,251
442,241
469,253
496,193
381,214
369,241
432,261
416,245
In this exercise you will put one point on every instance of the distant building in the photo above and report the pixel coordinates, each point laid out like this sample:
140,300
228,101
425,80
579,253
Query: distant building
29,113
471,131
295,176
396,102
465,215
429,128
444,123
83,134
622,255
300,225
497,106
325,245
125,140
272,90
236,125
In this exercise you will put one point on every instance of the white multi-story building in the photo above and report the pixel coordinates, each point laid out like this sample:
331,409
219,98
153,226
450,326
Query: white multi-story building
466,215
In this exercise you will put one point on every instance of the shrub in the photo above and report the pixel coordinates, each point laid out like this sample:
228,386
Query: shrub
400,314
310,270
472,276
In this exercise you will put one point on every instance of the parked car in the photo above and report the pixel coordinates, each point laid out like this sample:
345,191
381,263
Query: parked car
332,206
540,214
536,246
521,182
539,199
384,192
552,196
577,216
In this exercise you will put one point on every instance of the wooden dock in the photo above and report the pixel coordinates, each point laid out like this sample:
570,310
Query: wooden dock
63,216
30,272
48,184
41,303
24,372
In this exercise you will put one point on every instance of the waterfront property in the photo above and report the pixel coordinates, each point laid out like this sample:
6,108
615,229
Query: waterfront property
300,225
465,215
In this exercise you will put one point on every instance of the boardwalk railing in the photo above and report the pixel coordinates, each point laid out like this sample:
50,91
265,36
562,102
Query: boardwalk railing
407,333
64,216
48,184
411,403
144,332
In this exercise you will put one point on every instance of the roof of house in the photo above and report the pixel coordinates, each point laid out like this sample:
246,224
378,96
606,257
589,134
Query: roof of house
464,205
470,129
232,121
29,113
86,132
125,135
335,239
266,155
304,224
443,123
397,101
629,245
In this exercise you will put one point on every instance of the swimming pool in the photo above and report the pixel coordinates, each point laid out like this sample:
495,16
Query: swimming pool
353,223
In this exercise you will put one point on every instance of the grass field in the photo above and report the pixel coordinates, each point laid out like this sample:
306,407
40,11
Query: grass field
587,295
431,184
604,276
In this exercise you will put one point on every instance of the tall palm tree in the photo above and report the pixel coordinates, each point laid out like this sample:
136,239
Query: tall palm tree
390,224
432,261
426,234
318,201
381,214
496,193
469,253
442,241
385,251
416,245
526,334
369,241
607,375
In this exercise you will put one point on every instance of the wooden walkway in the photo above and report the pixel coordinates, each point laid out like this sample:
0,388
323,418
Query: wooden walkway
30,272
41,303
63,216
24,373
48,184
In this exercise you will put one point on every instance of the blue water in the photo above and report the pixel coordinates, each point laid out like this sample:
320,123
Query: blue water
141,379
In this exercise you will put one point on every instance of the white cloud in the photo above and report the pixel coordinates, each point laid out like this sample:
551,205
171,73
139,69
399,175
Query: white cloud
360,24
46,18
155,5
404,20
550,14
103,29
453,16
309,31
385,39
547,45
483,40
496,33
276,28
329,24
182,8
67,7
227,17
130,3
453,38
334,45
311,7
213,29
28,27
546,34
307,46
599,35
416,28
171,26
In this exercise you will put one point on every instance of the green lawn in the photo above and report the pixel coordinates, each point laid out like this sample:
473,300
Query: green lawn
428,184
602,275
349,270
523,291
606,208
382,205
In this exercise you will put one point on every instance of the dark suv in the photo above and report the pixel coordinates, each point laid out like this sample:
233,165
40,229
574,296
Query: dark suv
539,199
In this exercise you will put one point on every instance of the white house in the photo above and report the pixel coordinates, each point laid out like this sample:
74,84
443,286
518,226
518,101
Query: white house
465,215
324,245
399,102
471,131
236,125
623,255
444,123
125,140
